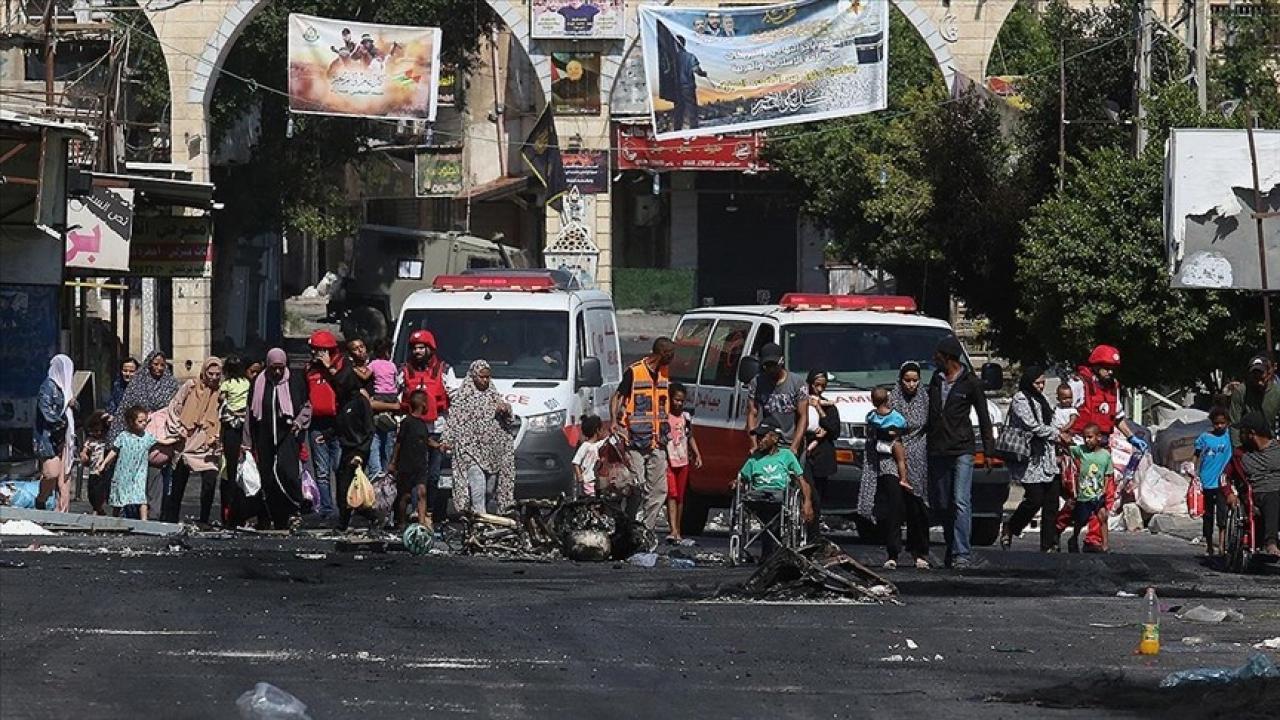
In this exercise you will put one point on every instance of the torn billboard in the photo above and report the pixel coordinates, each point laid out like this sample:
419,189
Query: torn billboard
1210,232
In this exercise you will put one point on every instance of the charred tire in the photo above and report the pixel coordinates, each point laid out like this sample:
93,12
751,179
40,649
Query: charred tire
696,510
985,530
868,531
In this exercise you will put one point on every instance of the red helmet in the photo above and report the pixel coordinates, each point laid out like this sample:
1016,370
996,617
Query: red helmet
422,337
1105,356
323,340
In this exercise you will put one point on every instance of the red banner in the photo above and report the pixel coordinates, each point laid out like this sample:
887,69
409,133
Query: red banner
638,150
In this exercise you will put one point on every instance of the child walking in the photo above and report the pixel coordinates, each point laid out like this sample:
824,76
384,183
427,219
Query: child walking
129,455
1095,471
885,459
409,464
588,455
1213,453
682,450
93,457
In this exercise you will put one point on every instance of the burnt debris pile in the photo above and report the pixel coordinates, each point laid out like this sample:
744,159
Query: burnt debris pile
821,571
589,529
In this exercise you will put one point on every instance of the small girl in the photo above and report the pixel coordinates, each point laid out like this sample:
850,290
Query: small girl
129,453
93,457
588,455
384,373
682,451
1064,416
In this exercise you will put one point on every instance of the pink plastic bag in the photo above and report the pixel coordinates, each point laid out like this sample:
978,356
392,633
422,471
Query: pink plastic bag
310,490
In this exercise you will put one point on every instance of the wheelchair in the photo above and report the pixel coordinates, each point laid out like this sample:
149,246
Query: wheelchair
760,517
1243,543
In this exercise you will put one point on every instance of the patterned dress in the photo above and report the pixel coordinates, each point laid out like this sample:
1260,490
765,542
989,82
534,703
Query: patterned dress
129,484
478,439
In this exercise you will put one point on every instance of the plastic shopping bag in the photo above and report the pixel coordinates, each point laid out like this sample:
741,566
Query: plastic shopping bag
1195,498
247,476
310,491
360,495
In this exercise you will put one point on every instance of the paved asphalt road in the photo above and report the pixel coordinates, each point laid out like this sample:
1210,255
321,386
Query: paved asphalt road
138,630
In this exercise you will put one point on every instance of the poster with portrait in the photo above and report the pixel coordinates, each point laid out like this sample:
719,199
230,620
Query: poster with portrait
729,69
338,67
577,19
575,83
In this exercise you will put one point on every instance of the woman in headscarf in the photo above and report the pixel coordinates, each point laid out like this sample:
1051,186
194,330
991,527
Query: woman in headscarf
152,388
1038,474
275,427
908,399
128,368
55,432
194,416
483,450
820,444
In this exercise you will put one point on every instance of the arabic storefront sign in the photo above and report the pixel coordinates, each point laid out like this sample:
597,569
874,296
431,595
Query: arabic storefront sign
99,226
577,19
437,174
639,150
172,246
587,170
730,69
344,68
447,92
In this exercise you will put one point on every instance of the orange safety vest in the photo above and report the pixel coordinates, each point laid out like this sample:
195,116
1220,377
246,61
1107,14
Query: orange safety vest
646,410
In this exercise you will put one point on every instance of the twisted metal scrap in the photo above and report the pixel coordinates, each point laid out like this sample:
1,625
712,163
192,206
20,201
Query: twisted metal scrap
814,571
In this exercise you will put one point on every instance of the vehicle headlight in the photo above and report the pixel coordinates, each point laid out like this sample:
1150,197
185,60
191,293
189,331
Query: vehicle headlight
546,422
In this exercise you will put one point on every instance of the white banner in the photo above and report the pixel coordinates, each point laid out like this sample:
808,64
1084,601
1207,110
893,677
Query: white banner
717,70
99,229
577,19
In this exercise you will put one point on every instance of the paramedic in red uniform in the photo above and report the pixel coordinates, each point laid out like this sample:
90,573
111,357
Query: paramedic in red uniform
427,371
1098,402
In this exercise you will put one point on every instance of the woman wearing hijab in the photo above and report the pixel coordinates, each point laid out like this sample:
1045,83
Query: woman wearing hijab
128,368
483,450
913,404
820,443
152,388
1038,474
55,432
194,415
275,427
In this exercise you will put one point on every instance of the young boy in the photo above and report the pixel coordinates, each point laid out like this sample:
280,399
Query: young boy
1213,453
1094,473
767,472
682,449
93,457
1064,416
129,454
1262,470
414,440
588,455
885,459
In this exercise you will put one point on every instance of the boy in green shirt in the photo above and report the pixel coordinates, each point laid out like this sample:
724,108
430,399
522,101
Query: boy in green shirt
1091,483
767,472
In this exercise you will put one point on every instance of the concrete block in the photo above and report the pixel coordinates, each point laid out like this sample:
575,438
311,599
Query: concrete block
1179,526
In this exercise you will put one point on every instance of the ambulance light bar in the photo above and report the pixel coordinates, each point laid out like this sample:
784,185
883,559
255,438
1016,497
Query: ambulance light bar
880,303
496,282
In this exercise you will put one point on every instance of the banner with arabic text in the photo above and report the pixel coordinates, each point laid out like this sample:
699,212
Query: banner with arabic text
730,69
338,67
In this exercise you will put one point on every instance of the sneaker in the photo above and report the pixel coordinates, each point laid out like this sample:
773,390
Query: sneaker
923,564
890,564
686,542
961,563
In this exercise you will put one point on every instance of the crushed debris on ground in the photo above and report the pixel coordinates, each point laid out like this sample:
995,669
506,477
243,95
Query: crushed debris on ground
589,529
817,572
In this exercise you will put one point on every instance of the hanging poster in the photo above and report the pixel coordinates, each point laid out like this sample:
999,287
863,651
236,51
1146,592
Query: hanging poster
575,83
587,170
720,70
639,150
439,174
577,19
338,67
99,227
447,92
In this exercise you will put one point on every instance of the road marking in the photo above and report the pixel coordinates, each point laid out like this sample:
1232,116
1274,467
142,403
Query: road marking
114,631
235,654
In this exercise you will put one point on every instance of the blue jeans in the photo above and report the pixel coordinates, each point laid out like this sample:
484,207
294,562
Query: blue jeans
384,443
951,484
326,455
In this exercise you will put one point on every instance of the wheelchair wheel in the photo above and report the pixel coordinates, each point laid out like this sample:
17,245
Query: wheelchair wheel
737,529
1234,550
794,533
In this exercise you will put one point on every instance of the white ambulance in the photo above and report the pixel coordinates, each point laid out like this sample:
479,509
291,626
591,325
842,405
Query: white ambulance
552,347
859,340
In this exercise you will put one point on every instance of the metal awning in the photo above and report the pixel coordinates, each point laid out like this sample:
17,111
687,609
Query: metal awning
494,190
161,191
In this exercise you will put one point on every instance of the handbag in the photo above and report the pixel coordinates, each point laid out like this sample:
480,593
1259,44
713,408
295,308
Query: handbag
247,476
1014,444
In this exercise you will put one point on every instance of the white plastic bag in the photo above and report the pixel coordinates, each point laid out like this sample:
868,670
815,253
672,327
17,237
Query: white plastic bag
247,476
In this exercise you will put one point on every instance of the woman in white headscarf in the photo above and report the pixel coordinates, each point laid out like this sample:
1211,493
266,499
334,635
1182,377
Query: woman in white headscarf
55,432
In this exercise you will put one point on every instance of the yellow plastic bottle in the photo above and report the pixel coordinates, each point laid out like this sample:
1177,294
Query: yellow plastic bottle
1150,642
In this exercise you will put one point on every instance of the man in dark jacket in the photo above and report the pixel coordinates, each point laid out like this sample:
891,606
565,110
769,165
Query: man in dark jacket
954,391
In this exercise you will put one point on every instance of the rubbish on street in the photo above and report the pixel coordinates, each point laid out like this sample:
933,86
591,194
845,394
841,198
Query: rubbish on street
818,571
590,529
1258,666
268,702
23,494
645,560
311,556
1149,642
15,564
1125,594
418,540
22,527
911,644
1269,644
1202,614
76,522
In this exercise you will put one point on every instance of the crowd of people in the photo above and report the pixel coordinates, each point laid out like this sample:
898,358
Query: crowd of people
309,432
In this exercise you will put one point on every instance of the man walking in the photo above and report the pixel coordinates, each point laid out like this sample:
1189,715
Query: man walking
639,411
954,392
1258,393
778,397
687,70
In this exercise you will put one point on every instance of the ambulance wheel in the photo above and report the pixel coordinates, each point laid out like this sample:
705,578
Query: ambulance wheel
696,510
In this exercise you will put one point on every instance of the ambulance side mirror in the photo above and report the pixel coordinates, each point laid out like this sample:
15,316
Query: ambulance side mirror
590,374
748,369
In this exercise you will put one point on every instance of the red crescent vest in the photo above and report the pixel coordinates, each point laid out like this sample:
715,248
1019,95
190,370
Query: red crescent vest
1101,403
429,381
